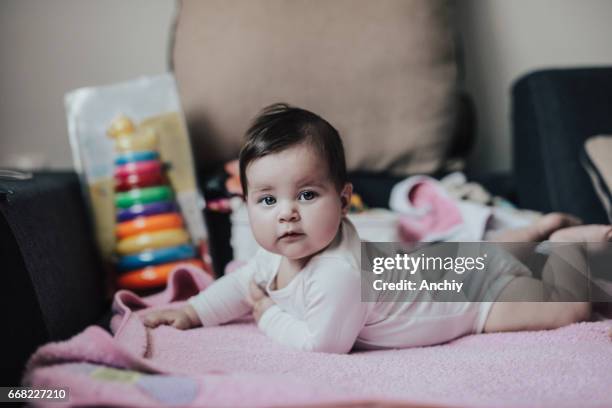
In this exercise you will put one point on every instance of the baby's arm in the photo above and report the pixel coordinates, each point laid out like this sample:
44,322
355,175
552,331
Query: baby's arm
334,313
225,300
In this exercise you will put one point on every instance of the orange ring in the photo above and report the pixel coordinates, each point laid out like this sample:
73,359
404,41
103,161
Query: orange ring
152,276
148,224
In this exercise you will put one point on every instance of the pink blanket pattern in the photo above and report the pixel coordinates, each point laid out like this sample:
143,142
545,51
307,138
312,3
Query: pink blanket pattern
236,365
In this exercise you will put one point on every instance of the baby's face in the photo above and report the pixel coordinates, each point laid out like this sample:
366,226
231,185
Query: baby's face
294,207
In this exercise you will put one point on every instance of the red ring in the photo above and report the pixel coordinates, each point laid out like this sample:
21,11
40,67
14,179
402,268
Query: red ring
134,180
151,277
147,166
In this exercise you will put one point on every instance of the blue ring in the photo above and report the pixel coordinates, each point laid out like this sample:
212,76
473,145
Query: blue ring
132,157
155,257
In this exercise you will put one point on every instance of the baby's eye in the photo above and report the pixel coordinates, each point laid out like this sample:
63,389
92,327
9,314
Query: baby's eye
307,195
267,200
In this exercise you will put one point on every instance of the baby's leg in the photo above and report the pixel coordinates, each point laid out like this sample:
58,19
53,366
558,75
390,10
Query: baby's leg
539,230
573,245
518,241
520,306
556,300
531,304
583,233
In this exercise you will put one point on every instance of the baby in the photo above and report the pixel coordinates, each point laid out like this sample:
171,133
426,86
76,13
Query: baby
303,286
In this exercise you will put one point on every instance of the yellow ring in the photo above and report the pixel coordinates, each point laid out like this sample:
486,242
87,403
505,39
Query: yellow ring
136,142
152,240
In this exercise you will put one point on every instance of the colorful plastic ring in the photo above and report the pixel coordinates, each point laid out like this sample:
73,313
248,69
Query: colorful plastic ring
145,141
155,257
139,181
126,181
132,157
152,240
148,224
149,166
153,276
143,196
139,210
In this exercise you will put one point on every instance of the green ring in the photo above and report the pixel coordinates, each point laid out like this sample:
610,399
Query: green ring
143,196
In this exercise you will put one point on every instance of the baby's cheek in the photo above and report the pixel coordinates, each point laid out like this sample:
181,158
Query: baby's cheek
326,224
331,229
263,231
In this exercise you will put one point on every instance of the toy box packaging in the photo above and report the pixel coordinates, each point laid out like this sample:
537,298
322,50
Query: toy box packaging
131,149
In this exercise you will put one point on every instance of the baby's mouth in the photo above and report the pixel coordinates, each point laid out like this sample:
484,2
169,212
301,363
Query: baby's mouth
290,235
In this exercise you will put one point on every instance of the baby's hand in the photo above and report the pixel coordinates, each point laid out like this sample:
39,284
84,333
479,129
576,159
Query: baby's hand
259,300
182,318
260,307
255,292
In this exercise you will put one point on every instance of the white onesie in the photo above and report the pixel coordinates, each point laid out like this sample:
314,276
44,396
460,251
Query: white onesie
321,308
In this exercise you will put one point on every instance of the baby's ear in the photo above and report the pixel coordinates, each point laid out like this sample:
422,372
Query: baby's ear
345,197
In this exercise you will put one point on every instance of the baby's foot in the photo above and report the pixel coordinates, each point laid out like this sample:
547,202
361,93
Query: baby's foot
539,230
552,222
583,233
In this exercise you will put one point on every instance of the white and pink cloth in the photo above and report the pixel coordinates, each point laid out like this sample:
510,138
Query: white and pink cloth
430,213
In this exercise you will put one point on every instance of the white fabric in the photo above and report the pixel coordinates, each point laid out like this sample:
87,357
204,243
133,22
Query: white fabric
475,216
478,219
321,308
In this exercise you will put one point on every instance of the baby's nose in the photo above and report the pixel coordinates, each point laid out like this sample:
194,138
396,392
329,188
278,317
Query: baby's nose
288,212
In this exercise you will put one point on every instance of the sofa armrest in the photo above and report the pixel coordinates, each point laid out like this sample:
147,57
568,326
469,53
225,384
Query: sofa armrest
553,113
53,283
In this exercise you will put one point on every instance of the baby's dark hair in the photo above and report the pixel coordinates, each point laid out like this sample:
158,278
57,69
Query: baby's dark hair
281,126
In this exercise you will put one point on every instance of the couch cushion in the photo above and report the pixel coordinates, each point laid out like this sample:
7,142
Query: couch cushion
382,72
597,160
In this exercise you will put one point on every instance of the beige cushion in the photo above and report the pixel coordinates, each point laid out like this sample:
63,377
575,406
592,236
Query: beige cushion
382,72
598,163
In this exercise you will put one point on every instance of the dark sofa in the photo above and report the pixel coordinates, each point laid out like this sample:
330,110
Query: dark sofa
553,113
53,281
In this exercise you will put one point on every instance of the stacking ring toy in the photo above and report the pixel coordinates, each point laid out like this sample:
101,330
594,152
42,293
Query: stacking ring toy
149,166
148,224
131,157
155,257
125,143
145,175
139,210
153,276
142,196
152,240
138,181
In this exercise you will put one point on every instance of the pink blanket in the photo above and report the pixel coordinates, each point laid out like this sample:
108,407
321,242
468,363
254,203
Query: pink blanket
236,365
